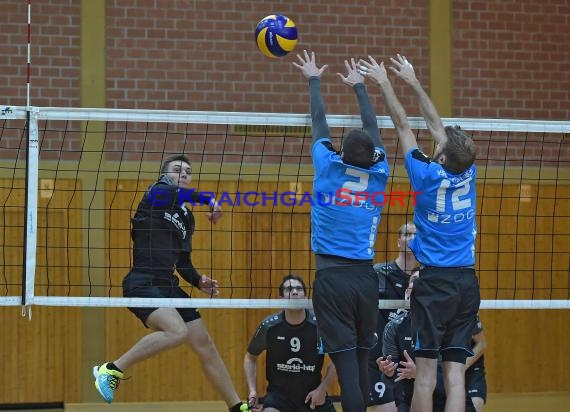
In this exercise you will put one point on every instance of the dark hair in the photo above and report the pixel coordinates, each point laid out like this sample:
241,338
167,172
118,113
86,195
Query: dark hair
292,276
358,149
459,150
166,162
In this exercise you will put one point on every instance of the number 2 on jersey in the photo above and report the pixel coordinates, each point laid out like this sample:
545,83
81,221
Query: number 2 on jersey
360,185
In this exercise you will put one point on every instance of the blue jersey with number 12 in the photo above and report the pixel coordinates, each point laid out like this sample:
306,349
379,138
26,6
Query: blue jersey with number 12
444,214
345,226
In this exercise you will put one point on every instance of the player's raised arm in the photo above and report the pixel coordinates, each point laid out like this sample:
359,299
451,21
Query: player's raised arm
405,71
355,79
377,72
310,70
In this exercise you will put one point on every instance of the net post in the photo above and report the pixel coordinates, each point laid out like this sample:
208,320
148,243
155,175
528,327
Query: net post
31,207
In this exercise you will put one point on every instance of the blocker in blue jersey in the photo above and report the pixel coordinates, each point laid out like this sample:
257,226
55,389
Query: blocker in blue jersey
344,224
446,298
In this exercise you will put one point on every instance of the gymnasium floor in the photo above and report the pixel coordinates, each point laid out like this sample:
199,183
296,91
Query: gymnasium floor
550,402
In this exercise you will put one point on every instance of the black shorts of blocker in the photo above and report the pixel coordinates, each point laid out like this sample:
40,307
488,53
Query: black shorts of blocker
144,285
345,300
444,305
284,403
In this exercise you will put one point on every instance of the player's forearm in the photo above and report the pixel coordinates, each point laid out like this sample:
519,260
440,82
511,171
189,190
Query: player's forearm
367,114
320,127
398,115
250,369
478,349
429,112
189,273
328,379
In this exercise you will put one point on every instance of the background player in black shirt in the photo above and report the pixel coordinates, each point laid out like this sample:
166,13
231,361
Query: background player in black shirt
393,279
293,360
398,365
475,381
162,231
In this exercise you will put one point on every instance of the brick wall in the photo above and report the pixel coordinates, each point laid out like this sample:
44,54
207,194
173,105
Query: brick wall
201,55
511,58
54,54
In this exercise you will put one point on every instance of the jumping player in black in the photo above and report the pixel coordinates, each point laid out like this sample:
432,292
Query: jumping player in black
293,362
162,231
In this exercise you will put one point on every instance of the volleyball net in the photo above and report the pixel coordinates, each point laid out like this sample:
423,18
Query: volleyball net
71,179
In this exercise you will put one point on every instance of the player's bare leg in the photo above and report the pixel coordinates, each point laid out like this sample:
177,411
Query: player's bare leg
212,364
424,385
454,379
170,332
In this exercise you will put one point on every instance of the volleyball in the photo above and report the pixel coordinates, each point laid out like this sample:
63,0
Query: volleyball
276,35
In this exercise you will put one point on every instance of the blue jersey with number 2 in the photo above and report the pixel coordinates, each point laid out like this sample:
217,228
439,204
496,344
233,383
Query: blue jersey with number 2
444,214
346,225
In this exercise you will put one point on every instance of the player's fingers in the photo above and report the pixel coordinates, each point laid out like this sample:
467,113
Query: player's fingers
396,62
372,60
353,63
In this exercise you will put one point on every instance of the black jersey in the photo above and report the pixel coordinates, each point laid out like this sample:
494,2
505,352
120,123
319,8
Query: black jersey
479,363
162,229
397,339
392,284
293,361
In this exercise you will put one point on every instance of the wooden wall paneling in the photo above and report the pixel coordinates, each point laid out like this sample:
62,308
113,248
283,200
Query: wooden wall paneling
37,351
257,239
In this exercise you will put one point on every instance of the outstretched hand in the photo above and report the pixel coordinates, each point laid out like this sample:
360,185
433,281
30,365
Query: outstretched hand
353,74
403,69
308,65
209,286
372,69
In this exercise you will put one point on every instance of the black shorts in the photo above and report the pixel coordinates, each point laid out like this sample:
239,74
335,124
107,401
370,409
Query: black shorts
285,403
144,285
475,382
380,389
444,306
345,300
